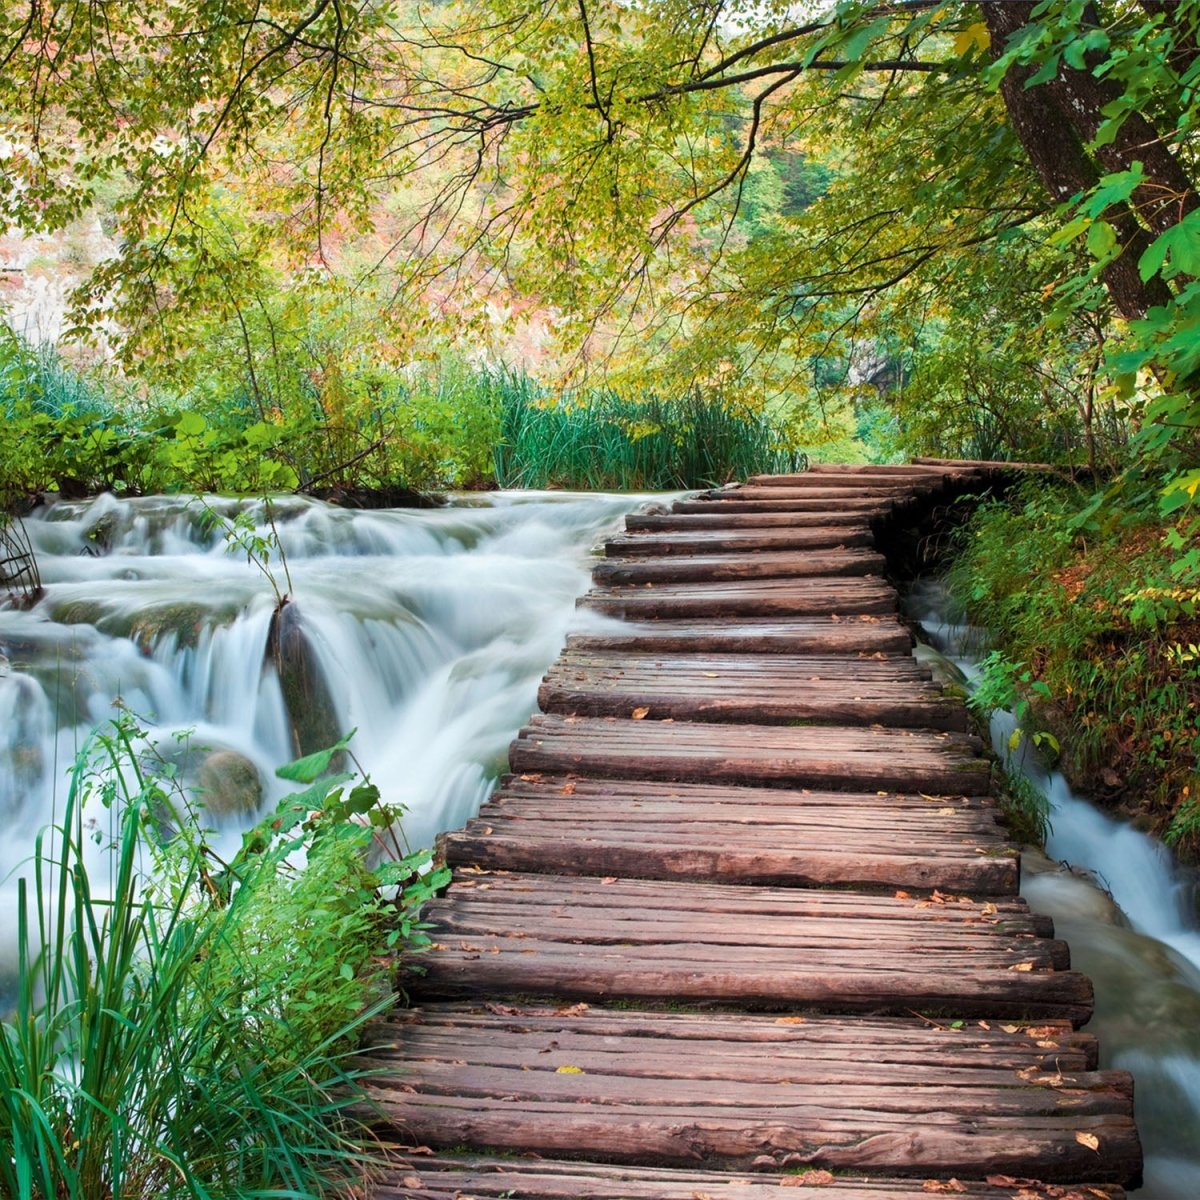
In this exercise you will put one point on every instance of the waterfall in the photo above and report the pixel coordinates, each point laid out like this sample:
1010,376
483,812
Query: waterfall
427,631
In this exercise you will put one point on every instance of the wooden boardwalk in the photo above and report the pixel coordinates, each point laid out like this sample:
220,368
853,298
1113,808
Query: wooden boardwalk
743,916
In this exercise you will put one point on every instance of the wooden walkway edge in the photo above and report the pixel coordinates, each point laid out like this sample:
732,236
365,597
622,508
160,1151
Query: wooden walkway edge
743,916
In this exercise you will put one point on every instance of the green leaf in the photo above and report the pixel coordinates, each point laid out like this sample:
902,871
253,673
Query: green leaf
346,971
191,424
1101,239
312,766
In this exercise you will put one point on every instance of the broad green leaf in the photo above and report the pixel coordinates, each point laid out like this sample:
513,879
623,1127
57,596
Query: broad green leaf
312,766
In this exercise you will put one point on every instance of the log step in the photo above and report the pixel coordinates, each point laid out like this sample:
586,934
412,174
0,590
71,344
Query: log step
738,835
878,1097
828,757
637,545
754,598
759,690
580,937
461,1176
731,503
796,635
763,564
711,517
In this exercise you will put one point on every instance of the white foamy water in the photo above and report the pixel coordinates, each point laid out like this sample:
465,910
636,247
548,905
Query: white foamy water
426,630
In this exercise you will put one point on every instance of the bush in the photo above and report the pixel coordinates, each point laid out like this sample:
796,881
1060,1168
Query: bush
189,1029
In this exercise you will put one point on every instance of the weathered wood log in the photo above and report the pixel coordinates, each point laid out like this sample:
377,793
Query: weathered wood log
866,506
453,1178
711,516
819,756
754,598
795,635
762,564
754,690
730,541
821,1092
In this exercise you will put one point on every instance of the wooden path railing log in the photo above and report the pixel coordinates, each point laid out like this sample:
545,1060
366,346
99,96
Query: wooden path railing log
743,915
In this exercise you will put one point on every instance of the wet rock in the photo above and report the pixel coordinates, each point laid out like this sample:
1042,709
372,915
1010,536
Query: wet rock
229,785
1065,893
315,724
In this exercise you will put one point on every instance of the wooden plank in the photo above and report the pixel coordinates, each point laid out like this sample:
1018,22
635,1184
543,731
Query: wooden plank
711,516
796,635
752,689
857,1104
737,835
833,490
585,937
819,756
762,564
731,540
753,598
864,506
454,1178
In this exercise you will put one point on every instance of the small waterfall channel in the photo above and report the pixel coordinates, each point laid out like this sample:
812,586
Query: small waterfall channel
1129,914
426,630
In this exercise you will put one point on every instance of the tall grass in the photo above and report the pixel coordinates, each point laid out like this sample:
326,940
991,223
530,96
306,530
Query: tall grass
184,1029
456,425
603,440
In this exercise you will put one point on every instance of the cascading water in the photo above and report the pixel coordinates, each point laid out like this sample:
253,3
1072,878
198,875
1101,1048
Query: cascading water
1128,913
426,630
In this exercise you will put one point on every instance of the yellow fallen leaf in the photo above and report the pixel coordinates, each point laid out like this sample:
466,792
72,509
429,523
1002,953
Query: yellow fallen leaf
569,1071
1025,966
791,1020
1090,1140
639,714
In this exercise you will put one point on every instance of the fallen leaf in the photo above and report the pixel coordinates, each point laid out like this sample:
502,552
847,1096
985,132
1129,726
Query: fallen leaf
568,789
791,1020
903,896
416,1150
1022,966
572,1010
943,1185
570,1071
1090,1140
1011,1028
609,879
640,714
808,1179
711,675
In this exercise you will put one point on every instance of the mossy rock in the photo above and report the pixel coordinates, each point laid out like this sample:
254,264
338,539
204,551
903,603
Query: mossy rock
229,786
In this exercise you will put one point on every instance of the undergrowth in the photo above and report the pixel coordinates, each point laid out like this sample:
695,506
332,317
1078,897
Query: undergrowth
186,1026
1091,602
449,426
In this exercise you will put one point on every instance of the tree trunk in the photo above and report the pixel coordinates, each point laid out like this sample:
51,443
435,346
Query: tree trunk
1055,145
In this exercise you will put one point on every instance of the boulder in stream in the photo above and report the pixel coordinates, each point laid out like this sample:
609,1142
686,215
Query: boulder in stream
314,720
229,786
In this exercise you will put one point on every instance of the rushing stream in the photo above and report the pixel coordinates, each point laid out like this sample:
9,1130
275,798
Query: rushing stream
426,630
1129,914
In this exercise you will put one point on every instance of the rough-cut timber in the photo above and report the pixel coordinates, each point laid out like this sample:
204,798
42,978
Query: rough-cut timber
755,635
702,832
807,756
746,798
893,1098
781,689
427,1178
581,938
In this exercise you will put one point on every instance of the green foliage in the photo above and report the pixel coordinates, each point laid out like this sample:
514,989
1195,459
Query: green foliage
607,441
185,1026
1093,612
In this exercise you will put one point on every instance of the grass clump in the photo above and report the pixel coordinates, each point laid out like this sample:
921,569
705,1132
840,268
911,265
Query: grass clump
184,1026
1091,600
